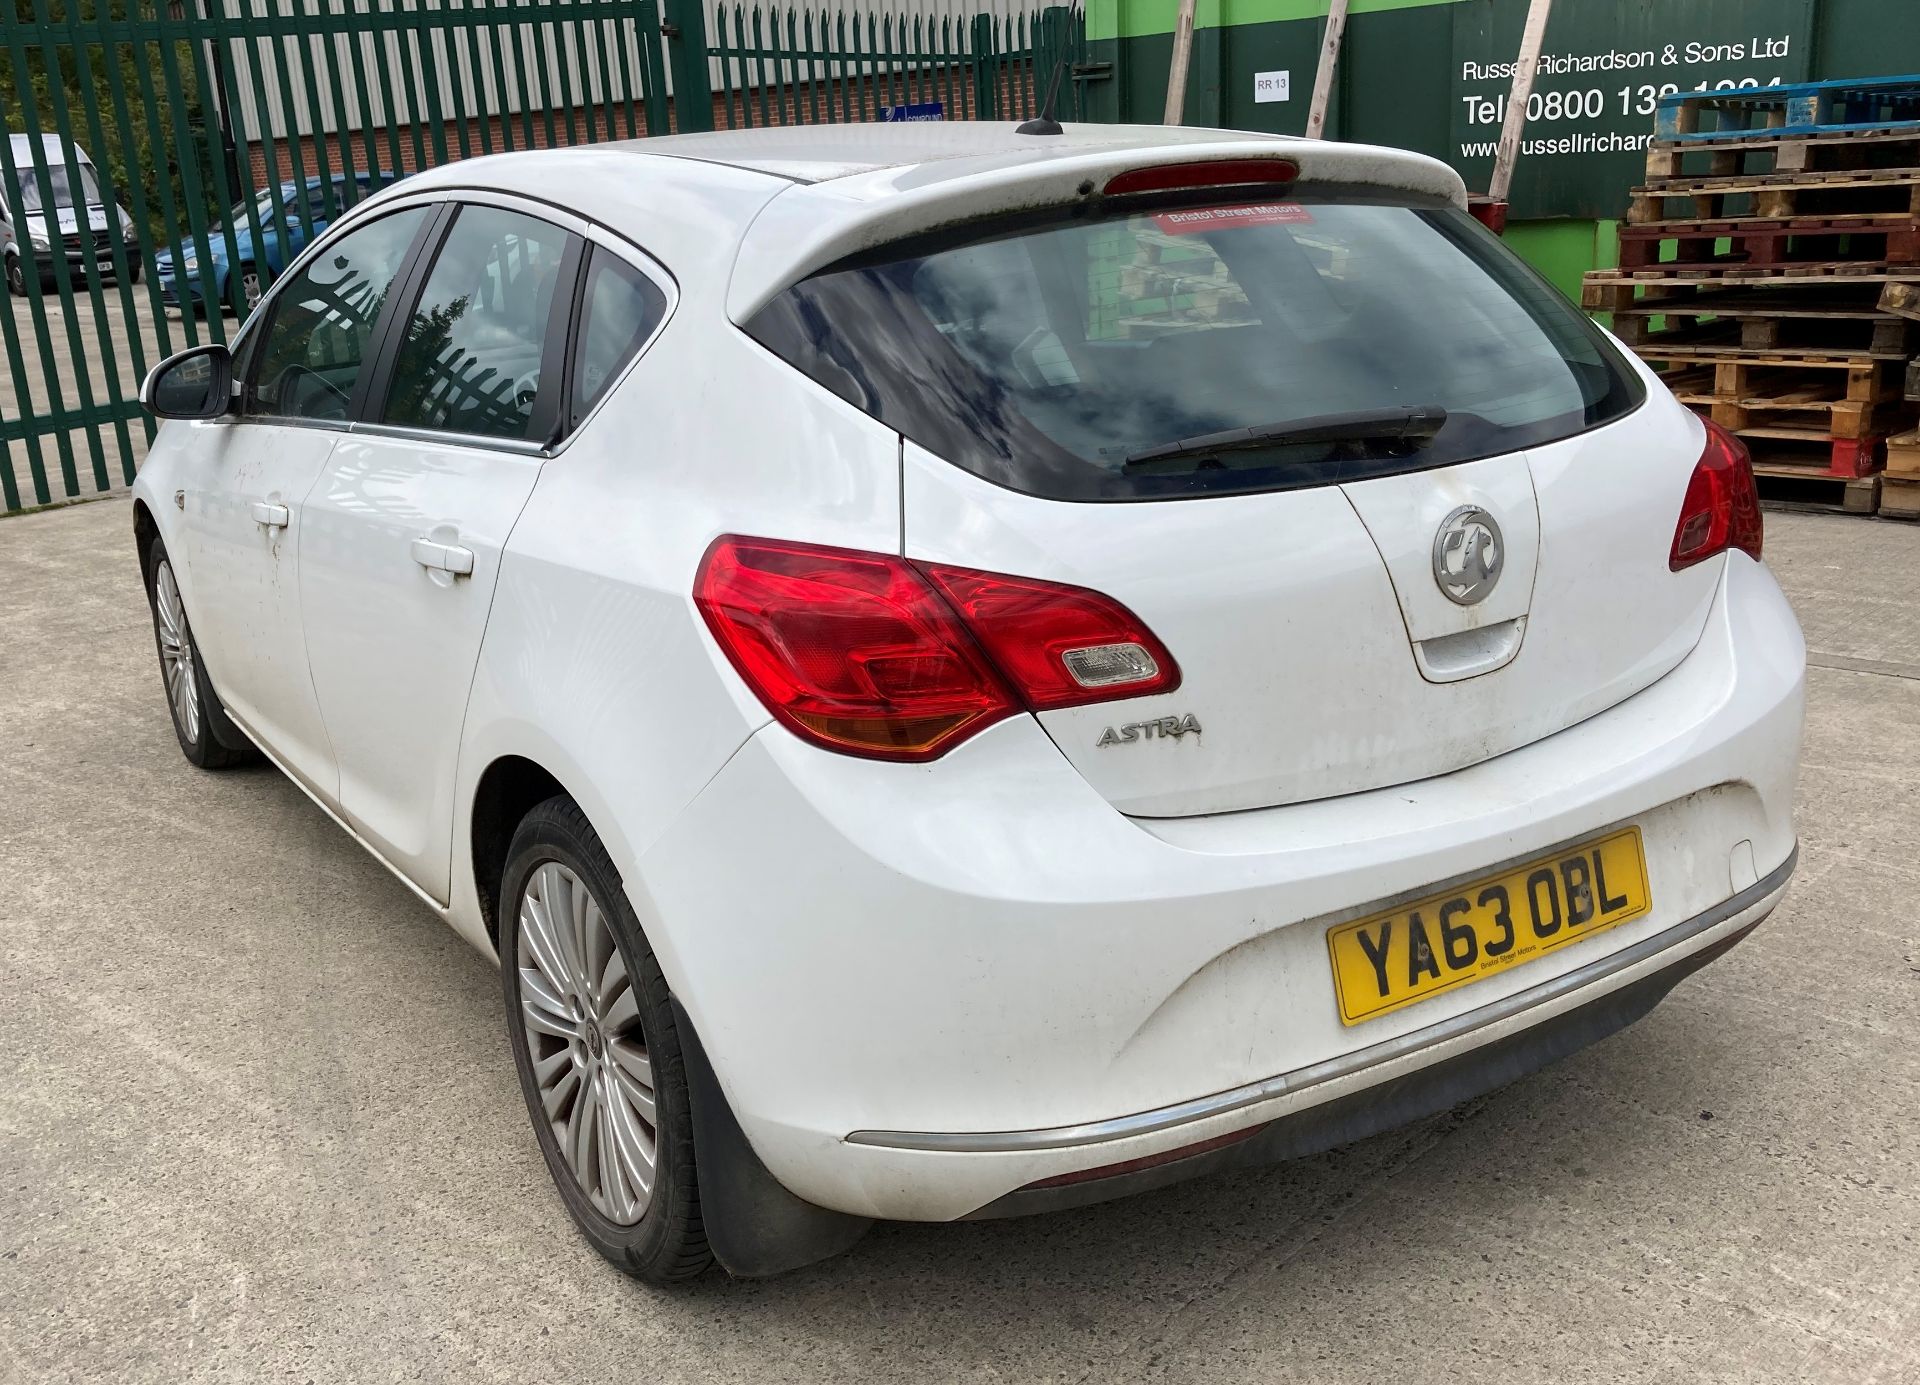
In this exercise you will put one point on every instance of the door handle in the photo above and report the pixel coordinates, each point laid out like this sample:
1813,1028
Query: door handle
443,557
273,516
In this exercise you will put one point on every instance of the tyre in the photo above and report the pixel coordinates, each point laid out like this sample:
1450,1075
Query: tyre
595,1045
16,278
134,267
207,735
243,290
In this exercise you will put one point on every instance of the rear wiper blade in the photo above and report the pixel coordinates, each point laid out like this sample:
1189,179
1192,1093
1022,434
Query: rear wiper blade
1414,424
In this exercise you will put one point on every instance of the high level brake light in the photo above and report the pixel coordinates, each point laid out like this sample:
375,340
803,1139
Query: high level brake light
1722,507
1220,173
871,654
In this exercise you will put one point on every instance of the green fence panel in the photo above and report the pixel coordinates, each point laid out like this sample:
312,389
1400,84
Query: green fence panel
224,135
777,64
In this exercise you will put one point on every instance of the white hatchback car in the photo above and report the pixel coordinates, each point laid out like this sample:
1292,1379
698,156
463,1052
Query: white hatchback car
964,672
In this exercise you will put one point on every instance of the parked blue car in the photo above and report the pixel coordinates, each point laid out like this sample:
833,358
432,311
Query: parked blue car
237,283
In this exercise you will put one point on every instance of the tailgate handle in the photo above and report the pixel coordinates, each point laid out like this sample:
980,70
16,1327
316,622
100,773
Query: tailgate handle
1469,653
443,557
273,516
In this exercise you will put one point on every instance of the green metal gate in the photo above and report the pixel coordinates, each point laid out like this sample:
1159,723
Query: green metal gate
799,65
218,136
221,135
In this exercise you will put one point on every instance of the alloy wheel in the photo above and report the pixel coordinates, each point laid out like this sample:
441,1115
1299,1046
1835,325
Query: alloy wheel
580,1020
250,288
176,652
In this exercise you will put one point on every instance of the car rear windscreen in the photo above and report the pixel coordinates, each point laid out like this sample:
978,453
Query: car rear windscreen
1204,349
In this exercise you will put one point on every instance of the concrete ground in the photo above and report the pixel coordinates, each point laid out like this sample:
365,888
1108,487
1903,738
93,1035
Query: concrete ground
258,1120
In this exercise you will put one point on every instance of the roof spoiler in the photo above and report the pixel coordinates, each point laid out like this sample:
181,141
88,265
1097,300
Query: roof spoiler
807,227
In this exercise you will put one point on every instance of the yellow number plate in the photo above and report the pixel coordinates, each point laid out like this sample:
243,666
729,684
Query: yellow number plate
1460,936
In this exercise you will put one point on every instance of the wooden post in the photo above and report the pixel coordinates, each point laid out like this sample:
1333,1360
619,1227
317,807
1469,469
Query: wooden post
1516,117
1323,75
1177,69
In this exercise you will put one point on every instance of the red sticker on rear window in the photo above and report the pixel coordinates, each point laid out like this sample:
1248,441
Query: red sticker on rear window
1217,218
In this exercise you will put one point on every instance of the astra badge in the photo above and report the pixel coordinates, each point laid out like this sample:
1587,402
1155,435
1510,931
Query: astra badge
1164,728
1467,555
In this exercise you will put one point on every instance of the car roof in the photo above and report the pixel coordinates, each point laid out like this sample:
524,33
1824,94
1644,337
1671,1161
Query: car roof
49,144
748,212
822,153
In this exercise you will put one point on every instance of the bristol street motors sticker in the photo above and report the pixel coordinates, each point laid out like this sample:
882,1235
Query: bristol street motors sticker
1217,218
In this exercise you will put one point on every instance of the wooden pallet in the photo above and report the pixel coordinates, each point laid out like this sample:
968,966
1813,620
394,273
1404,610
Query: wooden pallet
1651,290
1860,379
1848,454
1734,339
1844,302
1784,486
1852,272
1741,156
1849,433
1781,245
1623,293
1849,458
1845,105
1900,497
1796,412
1903,456
1846,429
1891,192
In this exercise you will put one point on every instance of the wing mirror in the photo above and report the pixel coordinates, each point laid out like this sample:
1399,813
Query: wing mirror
196,383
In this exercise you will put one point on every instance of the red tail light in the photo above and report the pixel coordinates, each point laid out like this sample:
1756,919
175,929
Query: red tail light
1722,508
1059,646
870,654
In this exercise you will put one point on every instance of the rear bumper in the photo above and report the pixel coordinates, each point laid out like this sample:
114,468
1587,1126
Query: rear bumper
925,988
1408,1081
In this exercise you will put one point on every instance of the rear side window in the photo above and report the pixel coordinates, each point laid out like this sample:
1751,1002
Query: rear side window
619,310
309,357
474,357
1196,350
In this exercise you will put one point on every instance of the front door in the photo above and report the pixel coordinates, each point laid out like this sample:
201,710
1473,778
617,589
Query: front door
247,485
407,526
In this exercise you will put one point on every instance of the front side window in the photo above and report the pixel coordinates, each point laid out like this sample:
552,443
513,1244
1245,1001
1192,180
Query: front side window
621,308
474,354
1200,349
310,357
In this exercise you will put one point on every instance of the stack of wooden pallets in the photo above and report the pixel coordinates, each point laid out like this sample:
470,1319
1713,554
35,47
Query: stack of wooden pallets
1770,271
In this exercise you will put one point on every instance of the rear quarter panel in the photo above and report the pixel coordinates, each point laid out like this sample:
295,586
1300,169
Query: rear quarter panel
596,663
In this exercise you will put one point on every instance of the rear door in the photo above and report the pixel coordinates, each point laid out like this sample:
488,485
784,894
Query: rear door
407,526
1369,601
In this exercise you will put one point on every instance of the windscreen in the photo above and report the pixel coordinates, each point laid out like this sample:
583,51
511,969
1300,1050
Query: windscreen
1194,350
262,206
33,200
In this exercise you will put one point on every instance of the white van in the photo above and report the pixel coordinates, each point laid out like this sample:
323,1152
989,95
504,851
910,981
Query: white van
28,237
